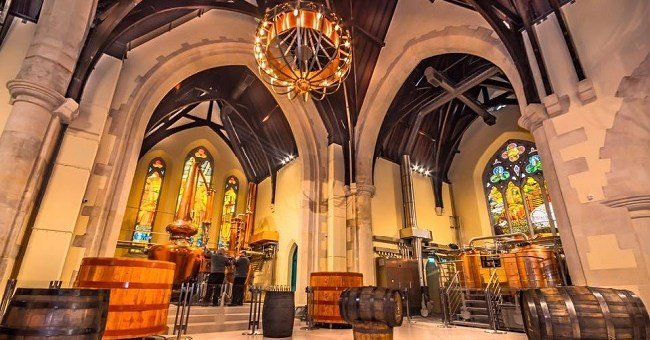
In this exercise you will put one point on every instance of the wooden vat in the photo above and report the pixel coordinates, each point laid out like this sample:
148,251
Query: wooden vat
54,314
584,313
372,304
140,293
327,287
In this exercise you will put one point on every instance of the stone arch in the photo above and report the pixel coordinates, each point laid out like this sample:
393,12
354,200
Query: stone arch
477,41
128,127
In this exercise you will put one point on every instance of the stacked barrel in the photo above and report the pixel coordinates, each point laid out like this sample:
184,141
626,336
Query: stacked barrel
372,311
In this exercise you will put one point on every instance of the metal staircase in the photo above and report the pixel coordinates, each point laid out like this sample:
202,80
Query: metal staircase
470,307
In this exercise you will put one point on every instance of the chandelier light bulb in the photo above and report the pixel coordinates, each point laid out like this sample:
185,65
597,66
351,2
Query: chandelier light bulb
303,50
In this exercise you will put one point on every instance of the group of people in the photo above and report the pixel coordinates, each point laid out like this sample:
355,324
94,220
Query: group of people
218,263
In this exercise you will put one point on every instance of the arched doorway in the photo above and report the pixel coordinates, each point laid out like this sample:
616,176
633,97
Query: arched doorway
293,265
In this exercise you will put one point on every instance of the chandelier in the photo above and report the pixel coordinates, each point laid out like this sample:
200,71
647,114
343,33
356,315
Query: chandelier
302,50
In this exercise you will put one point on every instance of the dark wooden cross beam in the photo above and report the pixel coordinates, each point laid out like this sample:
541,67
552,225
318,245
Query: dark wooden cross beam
451,93
436,78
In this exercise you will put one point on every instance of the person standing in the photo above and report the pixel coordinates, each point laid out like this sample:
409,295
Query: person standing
242,263
218,263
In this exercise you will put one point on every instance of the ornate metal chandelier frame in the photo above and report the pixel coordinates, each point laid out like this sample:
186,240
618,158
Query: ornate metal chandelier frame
302,49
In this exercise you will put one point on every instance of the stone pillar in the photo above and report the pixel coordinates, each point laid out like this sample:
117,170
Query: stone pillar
359,246
627,145
48,248
39,109
534,118
336,210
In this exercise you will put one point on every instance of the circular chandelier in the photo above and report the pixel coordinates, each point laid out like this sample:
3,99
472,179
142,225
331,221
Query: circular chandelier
302,49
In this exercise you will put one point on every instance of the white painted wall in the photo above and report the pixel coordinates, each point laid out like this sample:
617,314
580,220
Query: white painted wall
387,211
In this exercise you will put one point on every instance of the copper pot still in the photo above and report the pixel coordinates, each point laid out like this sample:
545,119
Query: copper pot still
188,259
179,250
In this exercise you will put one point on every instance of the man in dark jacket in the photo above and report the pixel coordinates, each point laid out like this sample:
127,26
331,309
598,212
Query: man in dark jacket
241,272
218,263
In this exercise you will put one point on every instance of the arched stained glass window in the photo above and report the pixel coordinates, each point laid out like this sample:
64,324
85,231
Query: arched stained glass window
230,193
200,204
148,203
516,192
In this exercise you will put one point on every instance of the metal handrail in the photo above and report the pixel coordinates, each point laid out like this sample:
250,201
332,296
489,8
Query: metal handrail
453,296
526,238
494,299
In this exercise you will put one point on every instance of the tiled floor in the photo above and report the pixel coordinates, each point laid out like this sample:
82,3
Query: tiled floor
415,331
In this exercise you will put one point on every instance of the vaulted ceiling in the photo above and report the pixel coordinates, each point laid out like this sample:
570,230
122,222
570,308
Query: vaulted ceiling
121,25
237,106
439,100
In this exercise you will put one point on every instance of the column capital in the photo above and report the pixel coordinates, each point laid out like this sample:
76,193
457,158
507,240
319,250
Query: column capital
637,205
532,117
360,189
27,91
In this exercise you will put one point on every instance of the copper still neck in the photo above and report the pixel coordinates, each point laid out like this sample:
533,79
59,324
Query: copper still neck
182,229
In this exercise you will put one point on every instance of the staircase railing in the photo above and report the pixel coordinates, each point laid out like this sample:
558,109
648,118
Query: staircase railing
494,300
452,298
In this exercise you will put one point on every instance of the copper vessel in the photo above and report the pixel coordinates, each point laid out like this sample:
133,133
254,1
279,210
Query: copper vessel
470,266
531,266
179,250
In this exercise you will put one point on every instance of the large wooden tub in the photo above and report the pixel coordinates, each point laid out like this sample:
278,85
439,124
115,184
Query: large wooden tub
327,287
140,293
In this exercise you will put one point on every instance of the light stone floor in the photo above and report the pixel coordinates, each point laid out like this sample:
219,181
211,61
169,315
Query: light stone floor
415,331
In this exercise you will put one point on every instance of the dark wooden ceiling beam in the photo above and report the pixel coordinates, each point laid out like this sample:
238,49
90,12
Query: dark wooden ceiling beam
524,11
436,78
462,87
497,85
128,13
513,42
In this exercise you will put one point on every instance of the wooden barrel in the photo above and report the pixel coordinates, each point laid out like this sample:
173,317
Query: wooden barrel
140,293
56,314
372,304
584,313
372,331
278,314
327,287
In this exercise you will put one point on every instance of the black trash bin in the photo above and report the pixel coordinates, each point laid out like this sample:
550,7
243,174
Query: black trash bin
278,314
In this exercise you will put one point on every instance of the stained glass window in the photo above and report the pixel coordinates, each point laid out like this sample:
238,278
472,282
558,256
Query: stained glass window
231,190
516,192
200,204
148,203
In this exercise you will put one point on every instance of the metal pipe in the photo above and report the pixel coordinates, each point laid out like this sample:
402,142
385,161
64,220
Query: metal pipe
496,237
408,197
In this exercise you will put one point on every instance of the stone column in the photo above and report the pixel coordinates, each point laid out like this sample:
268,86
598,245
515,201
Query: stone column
359,246
39,109
627,145
336,210
535,119
56,223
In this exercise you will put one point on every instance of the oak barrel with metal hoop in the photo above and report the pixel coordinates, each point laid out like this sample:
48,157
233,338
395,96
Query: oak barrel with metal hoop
584,313
372,304
327,288
277,314
140,293
56,314
372,331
